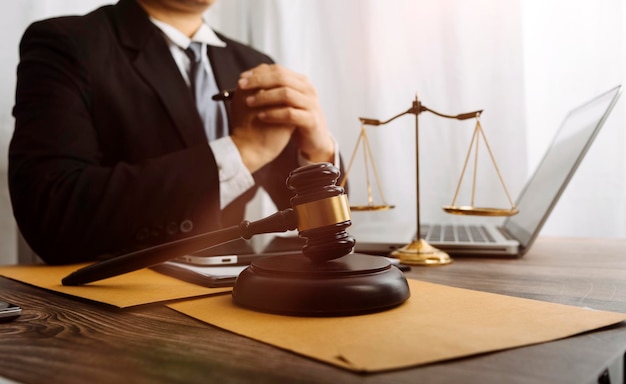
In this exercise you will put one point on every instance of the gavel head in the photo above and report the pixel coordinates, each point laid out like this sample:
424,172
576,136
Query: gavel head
322,210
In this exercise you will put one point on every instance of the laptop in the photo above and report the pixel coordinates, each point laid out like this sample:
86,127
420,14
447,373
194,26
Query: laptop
515,236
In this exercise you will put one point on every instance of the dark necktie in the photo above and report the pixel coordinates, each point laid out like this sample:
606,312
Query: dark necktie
203,86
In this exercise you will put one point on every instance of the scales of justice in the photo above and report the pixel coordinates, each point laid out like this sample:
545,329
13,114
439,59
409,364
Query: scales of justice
419,252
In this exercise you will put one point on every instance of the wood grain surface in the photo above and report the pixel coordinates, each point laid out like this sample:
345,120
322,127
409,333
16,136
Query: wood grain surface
61,339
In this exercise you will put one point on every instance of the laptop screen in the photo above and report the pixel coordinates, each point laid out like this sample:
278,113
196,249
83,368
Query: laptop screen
558,165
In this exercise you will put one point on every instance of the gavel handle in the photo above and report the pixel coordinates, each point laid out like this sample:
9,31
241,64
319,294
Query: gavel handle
279,222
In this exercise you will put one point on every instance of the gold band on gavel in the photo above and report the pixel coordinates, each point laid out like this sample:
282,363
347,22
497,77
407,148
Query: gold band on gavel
321,213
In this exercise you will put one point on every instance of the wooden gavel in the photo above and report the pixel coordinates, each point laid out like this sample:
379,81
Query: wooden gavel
320,211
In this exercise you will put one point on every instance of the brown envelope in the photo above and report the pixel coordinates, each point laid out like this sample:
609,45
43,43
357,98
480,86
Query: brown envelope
437,323
139,287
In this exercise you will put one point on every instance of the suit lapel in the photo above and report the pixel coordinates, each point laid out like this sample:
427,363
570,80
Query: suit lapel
166,80
154,63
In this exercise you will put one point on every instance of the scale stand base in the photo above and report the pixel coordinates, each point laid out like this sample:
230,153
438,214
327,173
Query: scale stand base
419,252
293,285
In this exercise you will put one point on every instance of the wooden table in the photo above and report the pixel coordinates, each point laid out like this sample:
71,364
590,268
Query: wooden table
61,339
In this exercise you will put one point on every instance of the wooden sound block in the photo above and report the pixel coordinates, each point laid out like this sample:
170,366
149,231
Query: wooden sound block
293,285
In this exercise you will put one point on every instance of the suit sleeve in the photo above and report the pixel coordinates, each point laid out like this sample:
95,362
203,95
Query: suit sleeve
71,202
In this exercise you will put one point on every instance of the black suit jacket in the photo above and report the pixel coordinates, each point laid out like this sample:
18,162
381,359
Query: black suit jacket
109,153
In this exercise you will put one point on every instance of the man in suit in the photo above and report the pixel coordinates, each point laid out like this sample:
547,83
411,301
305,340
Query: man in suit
111,154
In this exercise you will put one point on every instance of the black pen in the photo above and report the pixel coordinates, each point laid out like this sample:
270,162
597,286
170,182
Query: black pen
226,94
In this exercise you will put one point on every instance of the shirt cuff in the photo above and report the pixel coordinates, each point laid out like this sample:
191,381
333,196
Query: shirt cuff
235,178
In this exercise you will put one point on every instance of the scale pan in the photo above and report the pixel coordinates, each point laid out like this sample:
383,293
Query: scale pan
479,211
385,207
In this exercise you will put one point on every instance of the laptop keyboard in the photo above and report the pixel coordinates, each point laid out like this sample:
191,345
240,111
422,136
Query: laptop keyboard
474,233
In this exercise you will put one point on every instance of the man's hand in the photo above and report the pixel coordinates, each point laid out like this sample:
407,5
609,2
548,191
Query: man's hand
271,101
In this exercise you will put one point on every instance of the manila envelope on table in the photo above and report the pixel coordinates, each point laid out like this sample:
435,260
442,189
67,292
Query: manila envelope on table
134,288
436,323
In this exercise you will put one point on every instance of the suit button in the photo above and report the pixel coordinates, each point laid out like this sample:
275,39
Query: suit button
171,228
186,226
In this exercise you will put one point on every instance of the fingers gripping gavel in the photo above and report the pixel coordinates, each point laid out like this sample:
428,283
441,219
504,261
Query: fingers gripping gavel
320,211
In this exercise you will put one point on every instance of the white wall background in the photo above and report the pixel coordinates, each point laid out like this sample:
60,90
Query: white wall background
526,63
